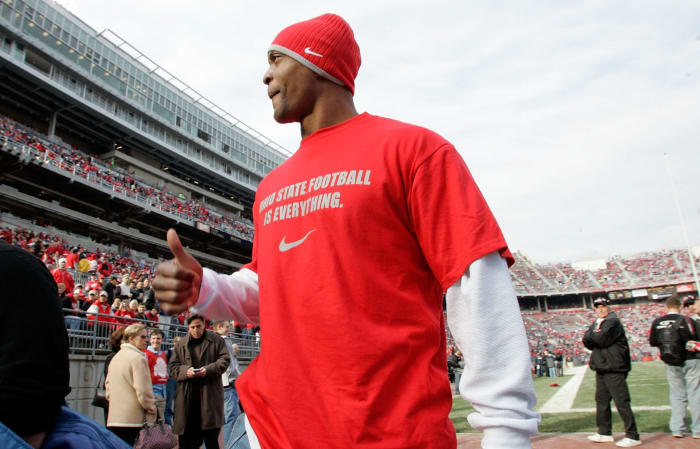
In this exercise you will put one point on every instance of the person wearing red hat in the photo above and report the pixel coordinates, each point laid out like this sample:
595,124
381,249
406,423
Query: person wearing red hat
357,236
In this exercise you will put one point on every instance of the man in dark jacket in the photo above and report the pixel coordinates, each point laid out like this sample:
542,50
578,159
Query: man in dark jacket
611,362
197,362
683,374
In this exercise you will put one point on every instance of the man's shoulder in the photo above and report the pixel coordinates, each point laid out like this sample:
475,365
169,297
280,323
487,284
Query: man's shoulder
398,129
669,317
611,321
656,321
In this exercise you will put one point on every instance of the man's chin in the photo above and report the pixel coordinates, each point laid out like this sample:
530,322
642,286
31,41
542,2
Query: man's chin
283,119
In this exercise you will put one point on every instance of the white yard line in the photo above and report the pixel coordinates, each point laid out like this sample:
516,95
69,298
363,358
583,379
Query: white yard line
563,400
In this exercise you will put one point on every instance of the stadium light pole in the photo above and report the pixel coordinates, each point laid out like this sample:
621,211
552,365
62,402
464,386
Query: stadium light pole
682,221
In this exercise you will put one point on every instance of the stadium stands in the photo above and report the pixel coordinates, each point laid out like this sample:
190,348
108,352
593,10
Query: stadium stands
667,267
563,330
32,146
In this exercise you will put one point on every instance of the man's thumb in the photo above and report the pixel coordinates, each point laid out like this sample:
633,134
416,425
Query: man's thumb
176,248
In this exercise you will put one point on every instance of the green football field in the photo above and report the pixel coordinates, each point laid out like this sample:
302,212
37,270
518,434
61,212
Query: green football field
647,384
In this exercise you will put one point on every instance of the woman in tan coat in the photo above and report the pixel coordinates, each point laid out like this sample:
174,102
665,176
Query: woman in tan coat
128,386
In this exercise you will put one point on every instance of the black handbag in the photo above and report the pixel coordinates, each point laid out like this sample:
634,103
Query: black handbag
157,436
100,400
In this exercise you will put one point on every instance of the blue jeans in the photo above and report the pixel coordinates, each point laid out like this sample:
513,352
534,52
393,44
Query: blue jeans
170,389
231,411
238,438
159,390
684,391
72,322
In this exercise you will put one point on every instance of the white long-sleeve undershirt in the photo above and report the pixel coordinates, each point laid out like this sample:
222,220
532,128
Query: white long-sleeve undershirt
485,321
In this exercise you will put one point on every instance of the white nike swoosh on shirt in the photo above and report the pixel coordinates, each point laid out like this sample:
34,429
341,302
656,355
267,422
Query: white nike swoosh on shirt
311,52
284,246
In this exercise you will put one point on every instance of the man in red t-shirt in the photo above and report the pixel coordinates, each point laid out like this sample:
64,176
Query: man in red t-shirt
359,233
158,365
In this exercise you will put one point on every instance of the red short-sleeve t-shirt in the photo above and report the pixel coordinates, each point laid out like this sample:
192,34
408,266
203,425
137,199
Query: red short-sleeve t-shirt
357,236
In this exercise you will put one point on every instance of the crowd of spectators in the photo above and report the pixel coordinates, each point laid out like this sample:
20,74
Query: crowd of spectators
560,332
636,271
92,168
102,290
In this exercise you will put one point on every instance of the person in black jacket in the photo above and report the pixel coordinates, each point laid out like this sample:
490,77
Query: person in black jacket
611,362
684,374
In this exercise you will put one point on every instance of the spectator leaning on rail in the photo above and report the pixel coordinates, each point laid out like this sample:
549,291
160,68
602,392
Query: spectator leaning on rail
611,362
98,313
670,333
34,366
364,227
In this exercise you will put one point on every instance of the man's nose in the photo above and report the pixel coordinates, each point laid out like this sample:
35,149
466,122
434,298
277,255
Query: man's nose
267,77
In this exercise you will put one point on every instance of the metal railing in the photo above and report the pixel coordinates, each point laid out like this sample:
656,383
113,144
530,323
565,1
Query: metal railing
88,333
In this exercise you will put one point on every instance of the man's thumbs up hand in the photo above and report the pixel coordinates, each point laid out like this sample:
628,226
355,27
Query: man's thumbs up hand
177,282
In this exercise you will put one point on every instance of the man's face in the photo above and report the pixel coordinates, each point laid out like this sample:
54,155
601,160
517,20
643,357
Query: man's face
61,263
103,298
196,328
602,311
223,328
292,88
125,278
156,341
92,297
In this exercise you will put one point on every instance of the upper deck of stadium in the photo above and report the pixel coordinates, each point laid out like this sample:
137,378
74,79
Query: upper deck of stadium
101,89
648,274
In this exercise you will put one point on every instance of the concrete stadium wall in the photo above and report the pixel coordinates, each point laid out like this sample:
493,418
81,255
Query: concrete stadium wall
85,373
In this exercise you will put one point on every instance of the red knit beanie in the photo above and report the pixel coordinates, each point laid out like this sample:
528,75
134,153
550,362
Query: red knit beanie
324,44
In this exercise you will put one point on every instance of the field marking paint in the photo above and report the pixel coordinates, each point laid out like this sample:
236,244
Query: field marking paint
563,400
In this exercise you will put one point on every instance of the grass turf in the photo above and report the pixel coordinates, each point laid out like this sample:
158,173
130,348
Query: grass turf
647,384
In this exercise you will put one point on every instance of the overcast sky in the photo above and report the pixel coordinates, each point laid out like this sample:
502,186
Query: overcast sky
562,110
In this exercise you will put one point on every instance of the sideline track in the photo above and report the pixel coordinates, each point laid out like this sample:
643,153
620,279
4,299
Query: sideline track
579,440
